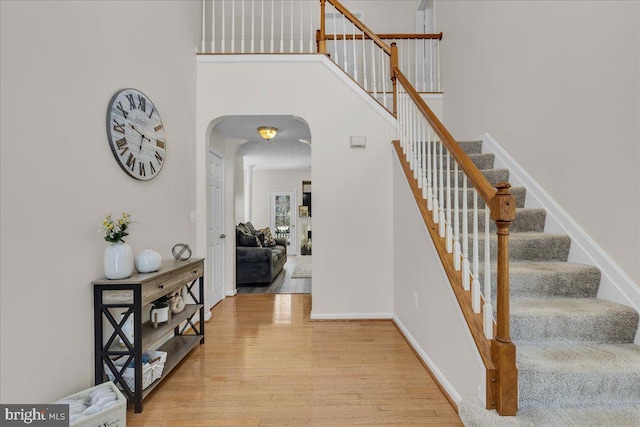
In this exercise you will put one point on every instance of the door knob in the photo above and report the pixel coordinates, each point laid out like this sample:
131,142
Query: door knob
223,236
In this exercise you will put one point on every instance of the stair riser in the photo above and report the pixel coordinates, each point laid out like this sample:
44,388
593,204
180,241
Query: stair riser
529,249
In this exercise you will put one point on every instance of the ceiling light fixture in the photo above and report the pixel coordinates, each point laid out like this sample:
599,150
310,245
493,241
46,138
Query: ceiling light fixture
267,132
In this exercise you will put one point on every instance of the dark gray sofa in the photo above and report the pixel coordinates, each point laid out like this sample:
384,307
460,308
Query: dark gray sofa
254,264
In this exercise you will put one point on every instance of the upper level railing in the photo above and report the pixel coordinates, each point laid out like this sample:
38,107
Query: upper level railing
325,26
449,187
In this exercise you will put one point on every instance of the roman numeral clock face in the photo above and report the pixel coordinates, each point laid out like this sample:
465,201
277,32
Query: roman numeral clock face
136,134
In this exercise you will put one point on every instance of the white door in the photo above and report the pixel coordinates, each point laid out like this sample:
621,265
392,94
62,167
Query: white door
215,231
284,212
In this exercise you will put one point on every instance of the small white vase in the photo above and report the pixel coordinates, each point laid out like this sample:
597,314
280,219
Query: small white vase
148,261
118,261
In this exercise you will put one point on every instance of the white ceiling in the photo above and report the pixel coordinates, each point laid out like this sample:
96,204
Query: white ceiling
285,151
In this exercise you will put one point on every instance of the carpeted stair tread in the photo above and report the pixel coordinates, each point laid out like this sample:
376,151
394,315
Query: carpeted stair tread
527,220
564,320
580,374
549,279
530,246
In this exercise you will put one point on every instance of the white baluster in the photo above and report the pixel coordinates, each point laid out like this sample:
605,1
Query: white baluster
373,69
252,48
222,39
242,41
384,67
442,222
456,219
311,32
425,182
291,32
428,172
262,28
203,47
412,120
436,202
281,26
449,229
233,27
487,309
431,80
420,152
336,55
437,65
466,271
364,61
301,28
353,44
475,285
418,172
424,65
213,27
415,59
273,12
345,63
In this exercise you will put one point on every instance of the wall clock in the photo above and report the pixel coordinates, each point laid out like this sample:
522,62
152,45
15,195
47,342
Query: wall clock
136,134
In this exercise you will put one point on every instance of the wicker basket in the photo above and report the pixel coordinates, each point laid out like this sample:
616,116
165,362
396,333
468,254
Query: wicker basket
150,371
114,416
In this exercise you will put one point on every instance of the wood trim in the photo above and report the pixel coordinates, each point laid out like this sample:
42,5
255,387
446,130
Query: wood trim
355,21
474,320
428,369
485,190
384,36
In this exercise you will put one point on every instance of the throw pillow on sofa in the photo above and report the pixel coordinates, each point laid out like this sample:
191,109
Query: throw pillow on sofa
249,241
268,237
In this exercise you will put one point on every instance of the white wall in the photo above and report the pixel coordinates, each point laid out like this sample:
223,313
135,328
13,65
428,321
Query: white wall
61,63
397,16
436,327
352,213
265,180
557,84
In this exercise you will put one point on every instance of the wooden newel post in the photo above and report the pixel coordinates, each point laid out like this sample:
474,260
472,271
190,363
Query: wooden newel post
503,351
392,73
320,35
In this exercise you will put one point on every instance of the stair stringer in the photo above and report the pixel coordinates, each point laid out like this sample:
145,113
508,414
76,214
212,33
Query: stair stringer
615,284
426,309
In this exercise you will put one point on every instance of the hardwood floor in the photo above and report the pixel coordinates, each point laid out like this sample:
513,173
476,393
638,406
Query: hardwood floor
265,364
283,283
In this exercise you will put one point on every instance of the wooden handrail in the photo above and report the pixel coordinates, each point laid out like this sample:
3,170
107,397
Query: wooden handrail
484,188
355,21
384,36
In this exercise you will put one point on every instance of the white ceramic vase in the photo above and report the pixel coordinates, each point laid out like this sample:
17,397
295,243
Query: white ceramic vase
118,261
148,261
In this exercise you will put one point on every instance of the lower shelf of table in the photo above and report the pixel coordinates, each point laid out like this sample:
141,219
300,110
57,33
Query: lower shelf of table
177,348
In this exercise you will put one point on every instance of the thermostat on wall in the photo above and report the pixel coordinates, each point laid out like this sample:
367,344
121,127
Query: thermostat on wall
358,141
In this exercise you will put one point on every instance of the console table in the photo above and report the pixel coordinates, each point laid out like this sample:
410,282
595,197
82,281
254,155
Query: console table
129,296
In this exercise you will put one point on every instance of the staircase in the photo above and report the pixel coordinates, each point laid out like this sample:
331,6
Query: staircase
576,359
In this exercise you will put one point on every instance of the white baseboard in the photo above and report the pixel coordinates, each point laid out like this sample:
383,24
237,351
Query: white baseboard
432,366
352,316
232,293
615,284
